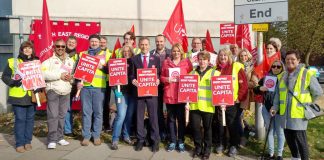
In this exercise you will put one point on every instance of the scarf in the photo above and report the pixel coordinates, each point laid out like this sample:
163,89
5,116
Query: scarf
93,52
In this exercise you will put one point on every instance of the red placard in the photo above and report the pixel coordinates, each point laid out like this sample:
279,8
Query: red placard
146,79
117,71
188,88
32,75
227,33
86,68
222,90
64,29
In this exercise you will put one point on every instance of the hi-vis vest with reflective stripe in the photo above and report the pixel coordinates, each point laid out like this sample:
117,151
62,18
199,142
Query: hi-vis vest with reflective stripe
300,91
17,92
204,103
236,69
119,54
100,78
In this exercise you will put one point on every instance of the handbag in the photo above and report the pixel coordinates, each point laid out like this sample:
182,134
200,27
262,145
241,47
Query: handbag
41,95
312,110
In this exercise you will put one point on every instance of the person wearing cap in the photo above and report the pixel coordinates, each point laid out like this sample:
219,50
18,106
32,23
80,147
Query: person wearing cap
93,95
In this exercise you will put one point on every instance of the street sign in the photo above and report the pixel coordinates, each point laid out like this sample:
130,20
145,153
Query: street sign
260,11
260,27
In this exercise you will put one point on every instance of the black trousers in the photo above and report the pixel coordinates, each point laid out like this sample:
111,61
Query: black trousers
152,105
202,143
297,143
176,112
106,109
161,119
231,124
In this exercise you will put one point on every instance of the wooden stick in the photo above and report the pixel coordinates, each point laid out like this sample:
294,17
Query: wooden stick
187,113
223,115
118,90
37,100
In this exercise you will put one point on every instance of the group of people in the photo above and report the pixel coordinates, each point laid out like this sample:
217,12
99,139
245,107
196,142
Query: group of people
281,111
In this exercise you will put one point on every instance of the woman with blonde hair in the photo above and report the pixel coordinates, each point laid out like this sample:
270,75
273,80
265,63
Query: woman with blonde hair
176,110
226,66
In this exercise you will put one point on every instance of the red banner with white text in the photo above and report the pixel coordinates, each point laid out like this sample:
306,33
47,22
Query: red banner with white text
61,29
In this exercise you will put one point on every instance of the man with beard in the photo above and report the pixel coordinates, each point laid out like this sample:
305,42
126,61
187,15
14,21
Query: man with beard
162,52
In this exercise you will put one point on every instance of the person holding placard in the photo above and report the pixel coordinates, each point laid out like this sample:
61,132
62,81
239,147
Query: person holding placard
140,61
227,66
265,84
297,87
126,107
171,69
202,112
23,108
57,74
93,94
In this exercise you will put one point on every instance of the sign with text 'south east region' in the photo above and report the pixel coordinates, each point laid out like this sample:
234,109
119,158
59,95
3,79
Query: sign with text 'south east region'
260,11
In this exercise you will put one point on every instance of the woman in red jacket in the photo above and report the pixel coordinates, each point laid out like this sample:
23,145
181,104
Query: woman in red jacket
226,66
176,111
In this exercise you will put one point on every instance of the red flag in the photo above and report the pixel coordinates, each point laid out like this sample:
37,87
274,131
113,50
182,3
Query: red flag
46,36
117,46
209,44
243,38
263,68
133,30
175,30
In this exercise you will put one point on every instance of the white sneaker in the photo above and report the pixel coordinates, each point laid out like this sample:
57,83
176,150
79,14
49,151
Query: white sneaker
63,142
51,146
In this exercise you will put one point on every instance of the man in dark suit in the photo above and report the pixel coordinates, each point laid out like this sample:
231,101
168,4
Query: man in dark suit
163,53
145,60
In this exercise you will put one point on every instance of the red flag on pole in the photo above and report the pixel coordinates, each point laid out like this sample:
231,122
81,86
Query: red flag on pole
175,30
133,30
262,69
46,36
243,38
209,44
117,46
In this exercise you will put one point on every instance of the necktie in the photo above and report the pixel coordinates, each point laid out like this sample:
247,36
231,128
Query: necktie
144,62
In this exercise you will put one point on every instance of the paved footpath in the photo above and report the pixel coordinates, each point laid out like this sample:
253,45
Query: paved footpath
75,151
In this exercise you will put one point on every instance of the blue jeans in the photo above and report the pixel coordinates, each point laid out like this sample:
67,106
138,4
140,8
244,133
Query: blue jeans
275,129
24,124
92,100
68,122
124,119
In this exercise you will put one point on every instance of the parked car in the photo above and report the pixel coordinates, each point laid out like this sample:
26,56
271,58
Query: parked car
319,70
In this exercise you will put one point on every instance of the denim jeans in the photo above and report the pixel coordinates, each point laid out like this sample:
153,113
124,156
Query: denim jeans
24,124
275,129
68,121
92,100
125,109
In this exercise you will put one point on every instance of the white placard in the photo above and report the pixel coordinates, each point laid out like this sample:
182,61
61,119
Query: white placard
174,72
270,83
213,58
194,59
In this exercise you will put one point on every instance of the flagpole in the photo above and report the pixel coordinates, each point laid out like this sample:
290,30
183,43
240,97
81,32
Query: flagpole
259,124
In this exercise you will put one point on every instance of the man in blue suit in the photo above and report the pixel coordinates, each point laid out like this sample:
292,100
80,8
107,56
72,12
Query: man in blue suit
146,60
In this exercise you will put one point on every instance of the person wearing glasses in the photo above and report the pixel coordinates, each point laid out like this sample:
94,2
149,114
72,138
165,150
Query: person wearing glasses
196,46
57,74
21,101
295,84
274,128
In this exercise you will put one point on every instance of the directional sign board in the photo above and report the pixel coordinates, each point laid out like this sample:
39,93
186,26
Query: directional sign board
260,11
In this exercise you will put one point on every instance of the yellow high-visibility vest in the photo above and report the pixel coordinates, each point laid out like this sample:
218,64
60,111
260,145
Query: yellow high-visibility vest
119,54
204,92
17,92
236,69
300,91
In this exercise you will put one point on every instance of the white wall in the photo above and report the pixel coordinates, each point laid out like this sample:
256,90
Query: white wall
116,17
